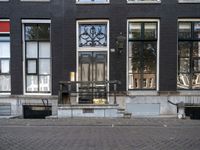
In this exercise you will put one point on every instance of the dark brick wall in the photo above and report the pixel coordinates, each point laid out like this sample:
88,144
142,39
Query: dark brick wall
63,15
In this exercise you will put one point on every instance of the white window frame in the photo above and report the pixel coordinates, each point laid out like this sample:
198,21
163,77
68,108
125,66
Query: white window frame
158,58
24,21
78,2
7,93
142,2
189,1
187,91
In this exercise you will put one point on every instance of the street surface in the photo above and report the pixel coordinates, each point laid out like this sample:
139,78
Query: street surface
100,134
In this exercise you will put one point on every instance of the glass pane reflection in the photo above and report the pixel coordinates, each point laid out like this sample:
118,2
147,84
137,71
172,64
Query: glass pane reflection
184,30
183,81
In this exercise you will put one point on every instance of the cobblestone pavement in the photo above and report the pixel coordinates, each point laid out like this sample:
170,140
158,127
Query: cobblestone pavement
99,134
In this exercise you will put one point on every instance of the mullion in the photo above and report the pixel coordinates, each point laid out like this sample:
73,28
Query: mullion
38,62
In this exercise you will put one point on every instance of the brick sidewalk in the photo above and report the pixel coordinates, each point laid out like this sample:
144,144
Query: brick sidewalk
100,122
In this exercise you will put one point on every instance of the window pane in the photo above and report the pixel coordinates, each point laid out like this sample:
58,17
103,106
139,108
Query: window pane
44,83
135,50
4,38
5,83
183,81
44,66
135,66
149,81
43,32
150,31
5,66
100,73
184,49
32,65
4,49
149,66
92,35
137,81
31,50
150,50
85,71
184,30
197,30
196,65
196,49
32,83
31,32
135,30
44,50
196,81
184,65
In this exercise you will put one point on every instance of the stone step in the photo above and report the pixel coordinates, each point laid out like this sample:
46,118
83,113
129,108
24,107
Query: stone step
127,115
121,111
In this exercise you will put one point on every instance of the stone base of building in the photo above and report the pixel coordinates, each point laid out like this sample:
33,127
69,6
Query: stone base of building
138,105
13,106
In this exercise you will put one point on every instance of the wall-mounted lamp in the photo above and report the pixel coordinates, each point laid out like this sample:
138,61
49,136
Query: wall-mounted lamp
120,41
72,76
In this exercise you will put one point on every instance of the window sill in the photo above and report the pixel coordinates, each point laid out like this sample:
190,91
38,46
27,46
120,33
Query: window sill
143,2
142,92
88,3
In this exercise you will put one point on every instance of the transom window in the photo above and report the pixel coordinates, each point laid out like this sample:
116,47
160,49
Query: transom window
37,58
92,1
5,78
189,55
142,55
92,35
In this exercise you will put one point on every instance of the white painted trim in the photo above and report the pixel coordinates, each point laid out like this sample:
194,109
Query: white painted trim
5,94
158,57
189,1
4,20
24,72
36,21
23,46
4,32
158,50
93,3
187,19
143,2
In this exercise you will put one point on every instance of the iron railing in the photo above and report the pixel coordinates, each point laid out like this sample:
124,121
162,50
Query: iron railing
87,91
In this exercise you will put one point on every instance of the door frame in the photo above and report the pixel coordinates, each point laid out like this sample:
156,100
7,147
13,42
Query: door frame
93,49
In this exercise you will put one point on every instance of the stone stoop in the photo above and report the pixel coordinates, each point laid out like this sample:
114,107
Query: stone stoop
88,110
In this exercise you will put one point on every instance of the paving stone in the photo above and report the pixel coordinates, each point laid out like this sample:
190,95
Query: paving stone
111,134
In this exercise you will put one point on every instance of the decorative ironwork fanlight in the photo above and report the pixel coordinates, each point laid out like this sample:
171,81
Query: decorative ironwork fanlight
94,35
